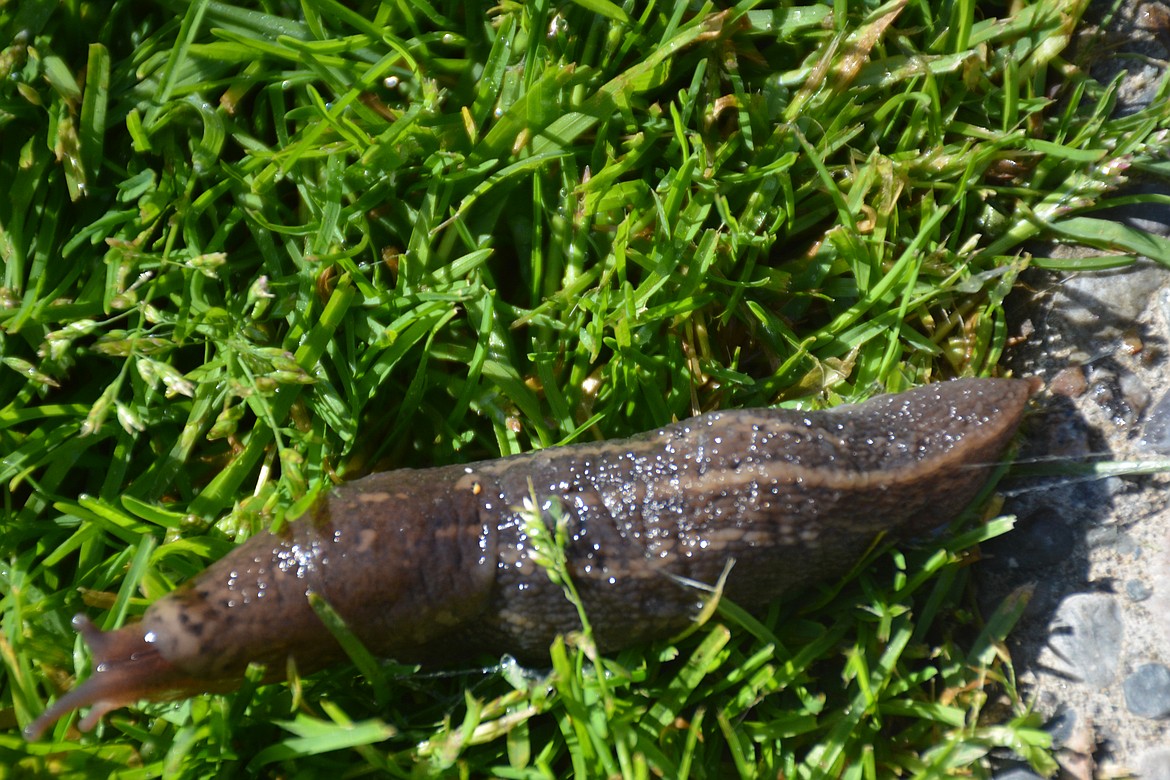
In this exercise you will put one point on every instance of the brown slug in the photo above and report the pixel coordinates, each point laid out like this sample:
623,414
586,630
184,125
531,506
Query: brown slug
435,565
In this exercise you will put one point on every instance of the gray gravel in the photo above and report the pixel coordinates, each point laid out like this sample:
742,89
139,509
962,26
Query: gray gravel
1093,651
1094,647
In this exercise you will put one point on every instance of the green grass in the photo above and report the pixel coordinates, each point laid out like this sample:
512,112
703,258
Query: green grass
250,249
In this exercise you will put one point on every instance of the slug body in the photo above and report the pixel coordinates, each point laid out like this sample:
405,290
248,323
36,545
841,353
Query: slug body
435,565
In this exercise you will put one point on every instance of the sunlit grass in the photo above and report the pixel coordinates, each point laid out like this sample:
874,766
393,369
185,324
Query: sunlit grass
249,249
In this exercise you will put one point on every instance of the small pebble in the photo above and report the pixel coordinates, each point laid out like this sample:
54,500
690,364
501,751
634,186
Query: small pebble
1115,486
1147,691
1125,546
1156,428
1061,726
1137,590
1102,536
1017,773
1135,392
1069,382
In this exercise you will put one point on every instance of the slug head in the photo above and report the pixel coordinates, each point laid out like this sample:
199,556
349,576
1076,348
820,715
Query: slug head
127,667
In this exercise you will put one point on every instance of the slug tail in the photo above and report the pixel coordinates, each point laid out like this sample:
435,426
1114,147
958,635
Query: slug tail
127,666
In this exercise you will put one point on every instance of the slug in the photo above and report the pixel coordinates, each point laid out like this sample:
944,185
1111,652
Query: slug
435,565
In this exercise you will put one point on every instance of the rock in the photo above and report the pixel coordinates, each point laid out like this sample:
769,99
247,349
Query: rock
1155,434
1097,308
1017,773
1062,726
1085,634
1137,590
1147,691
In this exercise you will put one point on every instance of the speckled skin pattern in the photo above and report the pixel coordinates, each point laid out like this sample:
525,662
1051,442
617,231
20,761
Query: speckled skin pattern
435,565
414,559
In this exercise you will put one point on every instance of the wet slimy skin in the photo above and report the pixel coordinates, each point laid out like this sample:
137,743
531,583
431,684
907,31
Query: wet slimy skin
435,565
